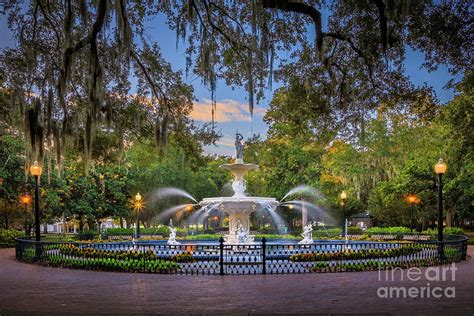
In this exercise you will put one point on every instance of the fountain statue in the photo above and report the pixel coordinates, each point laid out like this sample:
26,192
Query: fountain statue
239,148
239,206
307,235
172,238
242,235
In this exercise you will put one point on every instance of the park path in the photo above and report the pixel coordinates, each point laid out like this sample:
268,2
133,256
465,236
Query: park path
30,288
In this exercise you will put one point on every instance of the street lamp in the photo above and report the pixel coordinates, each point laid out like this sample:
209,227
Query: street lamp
36,171
25,200
440,169
343,203
138,206
412,199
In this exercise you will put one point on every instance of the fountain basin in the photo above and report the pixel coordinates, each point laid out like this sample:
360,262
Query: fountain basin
239,167
239,210
245,204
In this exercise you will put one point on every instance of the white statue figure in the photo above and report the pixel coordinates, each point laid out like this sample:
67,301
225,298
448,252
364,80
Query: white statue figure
307,235
242,235
172,238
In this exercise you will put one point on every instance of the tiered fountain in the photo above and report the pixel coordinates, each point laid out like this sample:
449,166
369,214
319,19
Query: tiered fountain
239,206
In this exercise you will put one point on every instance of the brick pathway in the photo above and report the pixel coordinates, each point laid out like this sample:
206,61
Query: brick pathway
30,288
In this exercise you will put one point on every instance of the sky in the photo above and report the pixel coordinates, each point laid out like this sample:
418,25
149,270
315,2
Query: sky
232,102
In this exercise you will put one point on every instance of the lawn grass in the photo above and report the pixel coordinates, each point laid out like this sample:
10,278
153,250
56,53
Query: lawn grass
470,234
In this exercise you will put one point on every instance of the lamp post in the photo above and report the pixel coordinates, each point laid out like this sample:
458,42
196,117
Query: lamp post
440,169
36,171
412,199
343,203
138,207
25,200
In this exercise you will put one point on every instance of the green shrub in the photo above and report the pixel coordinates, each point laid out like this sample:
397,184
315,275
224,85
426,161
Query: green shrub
356,255
88,235
89,252
7,237
274,236
446,231
110,264
389,230
354,230
330,232
202,237
182,257
161,230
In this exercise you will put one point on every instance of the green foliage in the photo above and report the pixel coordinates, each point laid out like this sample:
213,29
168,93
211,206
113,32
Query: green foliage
275,236
162,230
358,254
87,235
388,230
182,257
109,264
89,252
202,237
7,237
446,231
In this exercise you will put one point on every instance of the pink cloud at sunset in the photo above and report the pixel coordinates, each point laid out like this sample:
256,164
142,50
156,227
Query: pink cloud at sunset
227,110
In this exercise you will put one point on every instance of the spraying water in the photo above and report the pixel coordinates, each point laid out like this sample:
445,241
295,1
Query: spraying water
277,219
303,189
169,192
172,211
314,210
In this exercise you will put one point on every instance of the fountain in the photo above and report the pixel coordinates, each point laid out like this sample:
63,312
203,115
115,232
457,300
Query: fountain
172,238
239,206
307,235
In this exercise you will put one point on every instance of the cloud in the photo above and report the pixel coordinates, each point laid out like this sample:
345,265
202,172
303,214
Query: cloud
228,142
227,110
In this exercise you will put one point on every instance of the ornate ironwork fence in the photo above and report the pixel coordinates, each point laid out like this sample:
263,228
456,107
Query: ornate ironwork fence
262,257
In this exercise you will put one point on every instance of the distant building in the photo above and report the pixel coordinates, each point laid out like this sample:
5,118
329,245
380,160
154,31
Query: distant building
62,226
362,220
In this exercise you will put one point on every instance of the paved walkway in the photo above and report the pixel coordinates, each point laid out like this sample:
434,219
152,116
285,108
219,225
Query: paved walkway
30,288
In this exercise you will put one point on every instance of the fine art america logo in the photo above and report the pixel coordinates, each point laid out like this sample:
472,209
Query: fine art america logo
433,282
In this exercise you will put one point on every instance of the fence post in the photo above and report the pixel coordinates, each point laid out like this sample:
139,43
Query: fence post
464,249
18,252
264,255
221,256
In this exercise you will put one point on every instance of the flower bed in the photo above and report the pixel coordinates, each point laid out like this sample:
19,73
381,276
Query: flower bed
356,254
111,264
89,252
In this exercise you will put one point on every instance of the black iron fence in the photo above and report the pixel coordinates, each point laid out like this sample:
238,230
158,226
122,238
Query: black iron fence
262,257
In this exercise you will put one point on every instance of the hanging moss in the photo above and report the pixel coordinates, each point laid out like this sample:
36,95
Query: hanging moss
158,133
164,132
88,142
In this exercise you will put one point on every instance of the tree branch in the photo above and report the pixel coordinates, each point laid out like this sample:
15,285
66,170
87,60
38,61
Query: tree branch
58,37
88,39
382,22
305,9
154,87
234,44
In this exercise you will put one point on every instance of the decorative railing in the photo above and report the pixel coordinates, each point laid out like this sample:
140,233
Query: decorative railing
262,257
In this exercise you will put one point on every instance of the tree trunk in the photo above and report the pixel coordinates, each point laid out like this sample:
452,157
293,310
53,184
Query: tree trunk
449,218
424,224
90,223
81,225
